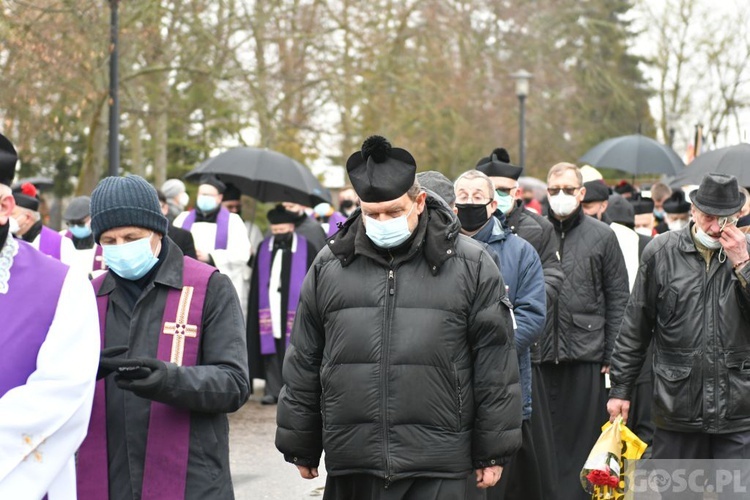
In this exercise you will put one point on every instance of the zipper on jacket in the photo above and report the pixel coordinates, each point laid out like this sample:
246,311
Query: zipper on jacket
557,305
390,292
459,402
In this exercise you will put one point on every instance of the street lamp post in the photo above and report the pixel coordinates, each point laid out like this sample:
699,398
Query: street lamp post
522,78
114,100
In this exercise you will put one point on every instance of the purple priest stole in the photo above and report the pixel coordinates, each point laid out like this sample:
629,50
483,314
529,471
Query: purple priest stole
168,441
49,242
222,227
27,310
296,277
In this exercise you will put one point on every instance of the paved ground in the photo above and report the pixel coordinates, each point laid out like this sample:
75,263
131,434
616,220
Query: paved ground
259,471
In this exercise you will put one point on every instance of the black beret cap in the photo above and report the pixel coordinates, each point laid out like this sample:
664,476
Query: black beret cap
596,190
26,196
498,164
78,209
280,215
624,187
214,181
677,203
621,211
642,205
8,158
380,172
231,193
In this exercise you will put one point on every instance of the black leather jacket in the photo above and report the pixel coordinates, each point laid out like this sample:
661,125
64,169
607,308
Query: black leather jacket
700,317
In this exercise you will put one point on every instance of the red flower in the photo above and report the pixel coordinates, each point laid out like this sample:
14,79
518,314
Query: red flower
602,478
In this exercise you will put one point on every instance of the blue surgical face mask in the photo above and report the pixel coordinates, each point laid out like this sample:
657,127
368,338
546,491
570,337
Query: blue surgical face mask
706,240
206,203
504,201
131,261
80,232
659,213
390,233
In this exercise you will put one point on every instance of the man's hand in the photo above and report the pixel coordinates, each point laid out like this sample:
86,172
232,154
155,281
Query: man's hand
202,256
734,243
489,476
605,369
106,364
617,407
308,472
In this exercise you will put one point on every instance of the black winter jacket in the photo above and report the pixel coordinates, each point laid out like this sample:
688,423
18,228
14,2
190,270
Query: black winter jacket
588,311
401,365
700,318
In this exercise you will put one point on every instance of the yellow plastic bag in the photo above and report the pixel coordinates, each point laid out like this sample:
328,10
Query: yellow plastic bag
603,474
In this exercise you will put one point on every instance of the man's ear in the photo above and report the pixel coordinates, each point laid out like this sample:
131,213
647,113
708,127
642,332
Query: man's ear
7,204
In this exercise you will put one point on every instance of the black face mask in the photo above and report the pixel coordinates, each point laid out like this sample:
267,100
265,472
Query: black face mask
472,216
283,240
346,204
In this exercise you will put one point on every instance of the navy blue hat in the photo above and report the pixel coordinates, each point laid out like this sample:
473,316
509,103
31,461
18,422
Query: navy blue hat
8,159
380,172
126,201
498,164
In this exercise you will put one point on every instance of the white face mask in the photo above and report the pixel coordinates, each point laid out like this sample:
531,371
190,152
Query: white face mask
677,224
14,227
644,231
563,204
183,199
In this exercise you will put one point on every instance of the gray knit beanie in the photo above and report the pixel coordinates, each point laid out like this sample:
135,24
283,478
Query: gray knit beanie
125,201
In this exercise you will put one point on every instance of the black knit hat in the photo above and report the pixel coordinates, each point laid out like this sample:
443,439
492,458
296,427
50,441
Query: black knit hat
677,203
380,172
596,190
26,196
718,195
280,215
8,158
497,164
125,201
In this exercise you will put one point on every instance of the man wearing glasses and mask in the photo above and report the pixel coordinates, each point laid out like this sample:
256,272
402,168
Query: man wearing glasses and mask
584,320
401,363
692,296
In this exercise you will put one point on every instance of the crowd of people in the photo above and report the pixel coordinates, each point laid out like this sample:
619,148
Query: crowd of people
435,338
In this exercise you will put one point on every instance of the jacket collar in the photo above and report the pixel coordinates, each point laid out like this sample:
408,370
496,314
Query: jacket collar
168,274
566,225
493,232
435,237
685,240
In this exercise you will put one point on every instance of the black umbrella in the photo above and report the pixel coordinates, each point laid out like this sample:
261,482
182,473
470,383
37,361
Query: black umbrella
265,175
733,160
635,154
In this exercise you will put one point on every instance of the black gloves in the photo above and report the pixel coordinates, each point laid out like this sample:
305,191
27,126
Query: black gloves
144,376
106,364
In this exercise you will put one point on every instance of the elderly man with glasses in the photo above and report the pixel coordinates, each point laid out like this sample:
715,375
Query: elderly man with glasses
580,331
692,298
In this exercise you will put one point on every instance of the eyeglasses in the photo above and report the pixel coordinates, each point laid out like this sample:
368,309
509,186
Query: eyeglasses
569,190
727,221
475,199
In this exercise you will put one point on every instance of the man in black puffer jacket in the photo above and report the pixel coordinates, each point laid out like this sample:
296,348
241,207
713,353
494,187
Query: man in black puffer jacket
581,332
402,364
